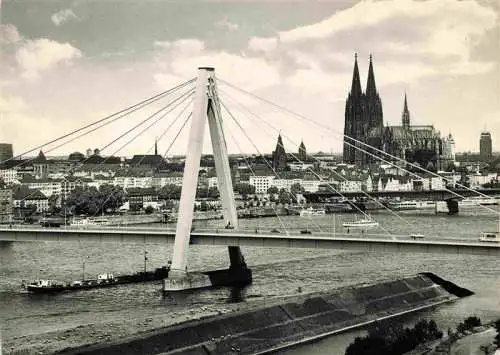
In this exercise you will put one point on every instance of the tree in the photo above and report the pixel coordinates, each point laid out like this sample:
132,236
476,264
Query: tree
284,197
272,190
213,192
111,197
497,337
53,208
244,189
391,338
202,192
91,201
30,210
149,209
170,192
468,324
297,189
203,206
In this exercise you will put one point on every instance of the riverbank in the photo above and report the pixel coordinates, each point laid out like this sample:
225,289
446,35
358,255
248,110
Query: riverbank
468,343
277,323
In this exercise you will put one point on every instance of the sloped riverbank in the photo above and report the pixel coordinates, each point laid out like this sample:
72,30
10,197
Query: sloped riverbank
261,328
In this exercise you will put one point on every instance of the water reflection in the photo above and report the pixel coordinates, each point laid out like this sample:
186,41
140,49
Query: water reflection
237,294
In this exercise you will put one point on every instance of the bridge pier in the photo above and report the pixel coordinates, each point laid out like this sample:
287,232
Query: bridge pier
449,206
206,108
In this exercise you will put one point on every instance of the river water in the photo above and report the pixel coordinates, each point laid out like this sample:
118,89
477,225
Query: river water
276,272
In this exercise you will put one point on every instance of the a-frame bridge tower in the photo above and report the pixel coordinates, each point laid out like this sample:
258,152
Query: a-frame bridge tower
206,108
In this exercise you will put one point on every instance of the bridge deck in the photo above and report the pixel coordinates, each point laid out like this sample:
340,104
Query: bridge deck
366,242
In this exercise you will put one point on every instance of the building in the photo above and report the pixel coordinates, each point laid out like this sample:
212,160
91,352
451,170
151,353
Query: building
9,176
279,155
23,198
139,197
261,183
154,161
449,157
485,147
6,151
302,152
41,166
418,144
5,205
363,114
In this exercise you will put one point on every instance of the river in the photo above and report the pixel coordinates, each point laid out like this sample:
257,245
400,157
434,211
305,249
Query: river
276,272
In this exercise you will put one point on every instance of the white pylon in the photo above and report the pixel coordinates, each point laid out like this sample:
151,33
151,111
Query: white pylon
206,107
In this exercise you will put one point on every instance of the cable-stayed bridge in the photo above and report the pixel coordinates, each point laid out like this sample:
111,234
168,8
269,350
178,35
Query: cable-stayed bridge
207,106
292,239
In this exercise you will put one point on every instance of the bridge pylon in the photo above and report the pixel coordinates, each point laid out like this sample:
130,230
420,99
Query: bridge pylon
206,107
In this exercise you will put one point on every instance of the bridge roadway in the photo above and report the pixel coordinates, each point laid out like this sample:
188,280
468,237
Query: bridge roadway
316,240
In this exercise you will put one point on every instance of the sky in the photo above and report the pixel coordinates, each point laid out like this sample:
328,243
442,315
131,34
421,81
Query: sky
65,64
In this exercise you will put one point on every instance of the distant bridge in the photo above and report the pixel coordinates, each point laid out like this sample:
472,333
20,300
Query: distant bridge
426,194
366,242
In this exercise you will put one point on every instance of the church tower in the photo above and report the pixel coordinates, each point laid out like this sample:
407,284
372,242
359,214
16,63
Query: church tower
279,155
354,117
302,151
406,116
364,120
375,117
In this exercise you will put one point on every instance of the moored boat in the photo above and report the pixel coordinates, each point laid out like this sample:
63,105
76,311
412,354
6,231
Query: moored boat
87,222
489,237
361,223
411,205
312,212
478,201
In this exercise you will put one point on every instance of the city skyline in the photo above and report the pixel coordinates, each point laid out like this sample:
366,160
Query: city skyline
68,64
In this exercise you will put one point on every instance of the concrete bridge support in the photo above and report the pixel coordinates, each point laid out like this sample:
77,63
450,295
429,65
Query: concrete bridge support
206,107
448,206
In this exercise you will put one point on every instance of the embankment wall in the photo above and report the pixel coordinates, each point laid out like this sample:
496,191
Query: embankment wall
304,318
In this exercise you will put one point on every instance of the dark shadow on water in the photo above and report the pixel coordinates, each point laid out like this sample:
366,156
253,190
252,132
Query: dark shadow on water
5,244
205,296
236,295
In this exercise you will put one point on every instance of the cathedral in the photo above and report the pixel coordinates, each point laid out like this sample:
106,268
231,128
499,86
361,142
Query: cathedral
364,123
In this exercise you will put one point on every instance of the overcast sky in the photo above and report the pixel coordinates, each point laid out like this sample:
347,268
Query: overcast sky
65,64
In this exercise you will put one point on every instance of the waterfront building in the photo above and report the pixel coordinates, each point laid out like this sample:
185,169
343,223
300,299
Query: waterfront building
485,146
354,185
311,185
477,180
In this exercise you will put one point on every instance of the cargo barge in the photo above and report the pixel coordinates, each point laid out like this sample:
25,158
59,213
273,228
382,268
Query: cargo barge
102,280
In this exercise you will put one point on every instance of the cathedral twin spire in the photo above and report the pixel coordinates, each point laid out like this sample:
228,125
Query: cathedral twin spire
356,82
363,115
371,87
